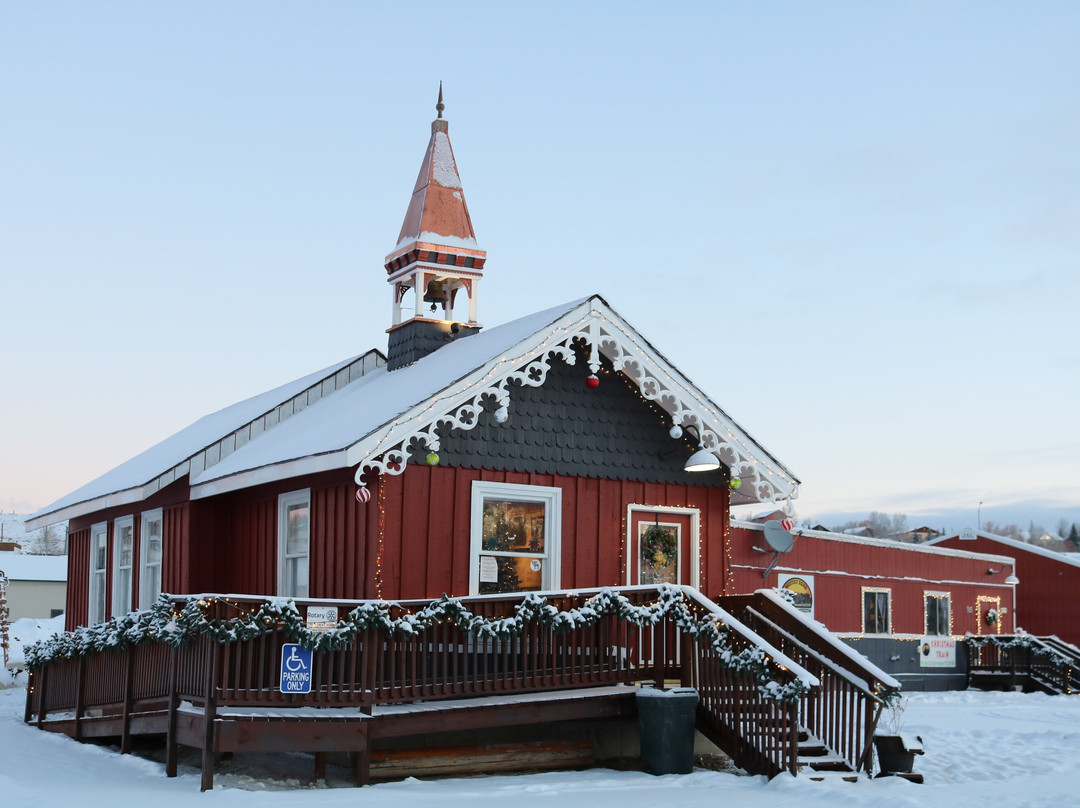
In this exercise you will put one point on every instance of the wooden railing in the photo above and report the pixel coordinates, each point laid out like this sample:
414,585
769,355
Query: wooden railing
438,663
844,712
1023,660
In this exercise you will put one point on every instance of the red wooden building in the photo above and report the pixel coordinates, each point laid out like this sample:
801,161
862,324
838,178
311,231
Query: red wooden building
1046,602
540,454
887,599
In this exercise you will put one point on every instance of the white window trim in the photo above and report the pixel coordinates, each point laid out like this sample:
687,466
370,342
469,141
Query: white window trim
97,584
121,601
694,538
551,497
146,599
862,611
946,596
301,497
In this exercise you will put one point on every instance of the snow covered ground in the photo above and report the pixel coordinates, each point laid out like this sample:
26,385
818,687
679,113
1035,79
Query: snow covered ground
1006,749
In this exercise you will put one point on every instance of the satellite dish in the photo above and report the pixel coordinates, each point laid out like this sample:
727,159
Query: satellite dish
779,539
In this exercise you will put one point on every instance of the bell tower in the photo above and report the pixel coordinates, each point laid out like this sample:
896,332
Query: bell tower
436,267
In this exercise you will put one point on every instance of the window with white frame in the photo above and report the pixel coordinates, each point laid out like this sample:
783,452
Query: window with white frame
936,613
150,531
515,537
99,566
294,542
877,611
123,558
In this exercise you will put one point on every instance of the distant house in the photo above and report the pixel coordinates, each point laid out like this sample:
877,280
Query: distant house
37,585
918,535
1046,599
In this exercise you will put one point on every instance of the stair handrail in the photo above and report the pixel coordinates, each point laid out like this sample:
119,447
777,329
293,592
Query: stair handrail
734,624
816,636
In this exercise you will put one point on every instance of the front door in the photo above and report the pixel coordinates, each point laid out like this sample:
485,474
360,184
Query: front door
662,546
988,614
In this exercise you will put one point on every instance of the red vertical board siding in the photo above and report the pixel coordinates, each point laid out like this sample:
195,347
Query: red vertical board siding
1046,597
77,610
412,548
609,541
587,530
441,518
841,569
460,562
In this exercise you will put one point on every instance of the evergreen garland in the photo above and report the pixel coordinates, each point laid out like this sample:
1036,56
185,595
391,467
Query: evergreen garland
162,623
1018,641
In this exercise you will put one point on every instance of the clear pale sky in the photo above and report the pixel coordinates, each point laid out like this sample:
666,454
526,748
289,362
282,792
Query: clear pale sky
855,225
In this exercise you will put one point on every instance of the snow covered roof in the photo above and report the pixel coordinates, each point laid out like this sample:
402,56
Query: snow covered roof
19,567
357,413
196,446
1072,559
886,543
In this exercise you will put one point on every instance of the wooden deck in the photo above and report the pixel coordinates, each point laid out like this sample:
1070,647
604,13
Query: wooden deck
221,697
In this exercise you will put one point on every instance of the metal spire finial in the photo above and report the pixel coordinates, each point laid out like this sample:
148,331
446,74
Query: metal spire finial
440,106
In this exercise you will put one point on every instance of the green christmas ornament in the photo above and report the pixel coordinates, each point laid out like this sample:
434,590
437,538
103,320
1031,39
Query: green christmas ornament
432,459
735,484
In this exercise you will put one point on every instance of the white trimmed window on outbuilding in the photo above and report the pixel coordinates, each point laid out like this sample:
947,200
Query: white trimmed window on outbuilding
98,610
150,547
294,543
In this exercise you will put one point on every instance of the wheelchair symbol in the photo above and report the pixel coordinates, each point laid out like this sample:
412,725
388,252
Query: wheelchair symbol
293,663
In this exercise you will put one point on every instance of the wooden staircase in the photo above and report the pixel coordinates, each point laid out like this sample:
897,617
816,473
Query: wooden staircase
1034,664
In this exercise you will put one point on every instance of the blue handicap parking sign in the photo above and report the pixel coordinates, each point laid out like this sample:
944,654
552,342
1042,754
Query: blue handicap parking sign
295,668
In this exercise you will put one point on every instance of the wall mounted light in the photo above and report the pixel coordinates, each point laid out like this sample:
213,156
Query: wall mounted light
1012,580
702,460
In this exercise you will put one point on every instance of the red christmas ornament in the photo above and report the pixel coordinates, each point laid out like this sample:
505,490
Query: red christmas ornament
363,496
787,524
592,382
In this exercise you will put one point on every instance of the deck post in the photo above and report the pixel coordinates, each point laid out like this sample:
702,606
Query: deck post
40,691
686,660
209,713
171,750
129,698
659,644
31,693
361,758
80,698
320,768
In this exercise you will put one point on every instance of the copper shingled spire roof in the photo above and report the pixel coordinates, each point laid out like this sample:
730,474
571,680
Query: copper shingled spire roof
437,213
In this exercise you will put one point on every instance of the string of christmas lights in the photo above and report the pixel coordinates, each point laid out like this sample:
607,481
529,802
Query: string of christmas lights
387,452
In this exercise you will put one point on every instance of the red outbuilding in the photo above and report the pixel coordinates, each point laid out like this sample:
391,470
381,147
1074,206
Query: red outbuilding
890,600
1046,602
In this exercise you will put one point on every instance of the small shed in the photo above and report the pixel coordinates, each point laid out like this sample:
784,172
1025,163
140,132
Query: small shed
37,585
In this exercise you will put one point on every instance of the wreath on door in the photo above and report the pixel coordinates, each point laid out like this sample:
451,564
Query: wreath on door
992,616
659,545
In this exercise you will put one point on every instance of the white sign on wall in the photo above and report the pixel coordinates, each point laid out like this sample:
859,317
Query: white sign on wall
937,652
321,618
489,570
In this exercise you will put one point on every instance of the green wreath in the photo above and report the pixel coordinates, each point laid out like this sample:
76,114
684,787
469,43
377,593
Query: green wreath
659,545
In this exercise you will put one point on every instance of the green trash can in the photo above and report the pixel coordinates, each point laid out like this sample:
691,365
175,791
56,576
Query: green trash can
666,727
